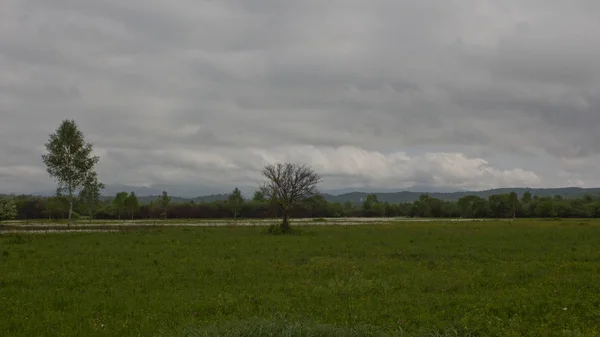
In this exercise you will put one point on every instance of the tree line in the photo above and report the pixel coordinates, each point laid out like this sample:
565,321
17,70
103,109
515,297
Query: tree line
126,206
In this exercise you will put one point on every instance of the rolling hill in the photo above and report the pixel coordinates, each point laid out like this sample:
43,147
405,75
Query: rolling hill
409,196
406,196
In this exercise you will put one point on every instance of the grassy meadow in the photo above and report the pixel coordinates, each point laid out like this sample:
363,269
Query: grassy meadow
490,278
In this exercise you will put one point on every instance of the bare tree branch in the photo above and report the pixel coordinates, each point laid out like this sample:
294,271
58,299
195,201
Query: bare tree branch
288,183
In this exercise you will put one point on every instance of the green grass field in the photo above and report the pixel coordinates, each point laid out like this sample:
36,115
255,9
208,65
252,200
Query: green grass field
493,278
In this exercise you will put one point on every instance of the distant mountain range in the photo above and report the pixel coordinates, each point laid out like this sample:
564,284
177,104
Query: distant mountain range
417,189
408,196
398,197
191,191
207,198
184,191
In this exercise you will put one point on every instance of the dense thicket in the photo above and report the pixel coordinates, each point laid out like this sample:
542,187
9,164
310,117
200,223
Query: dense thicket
496,206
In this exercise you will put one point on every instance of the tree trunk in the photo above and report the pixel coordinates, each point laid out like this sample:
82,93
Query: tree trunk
70,212
285,225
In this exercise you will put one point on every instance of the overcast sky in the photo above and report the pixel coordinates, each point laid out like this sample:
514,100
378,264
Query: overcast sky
470,94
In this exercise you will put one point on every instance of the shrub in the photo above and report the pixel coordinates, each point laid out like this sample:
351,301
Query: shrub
8,209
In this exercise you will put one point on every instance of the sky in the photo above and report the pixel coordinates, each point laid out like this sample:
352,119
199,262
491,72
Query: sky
459,94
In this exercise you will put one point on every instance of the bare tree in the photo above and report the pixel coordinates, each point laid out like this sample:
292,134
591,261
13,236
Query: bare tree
288,183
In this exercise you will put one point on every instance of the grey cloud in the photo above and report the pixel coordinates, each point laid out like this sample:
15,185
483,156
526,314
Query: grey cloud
404,86
150,82
45,91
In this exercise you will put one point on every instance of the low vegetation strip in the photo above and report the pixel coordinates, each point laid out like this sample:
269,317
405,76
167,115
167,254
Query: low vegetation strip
44,226
490,278
34,225
62,229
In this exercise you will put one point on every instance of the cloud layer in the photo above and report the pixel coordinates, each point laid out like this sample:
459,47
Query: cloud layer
471,94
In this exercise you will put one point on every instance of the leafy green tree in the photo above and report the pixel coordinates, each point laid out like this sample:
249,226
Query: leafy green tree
526,198
421,207
334,209
580,209
450,210
8,209
481,208
391,210
28,207
118,203
372,207
466,205
153,208
587,198
545,208
436,207
90,195
318,206
259,196
529,207
563,208
500,205
132,204
235,201
288,183
514,203
164,202
404,209
69,161
370,202
378,209
593,209
472,206
56,205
